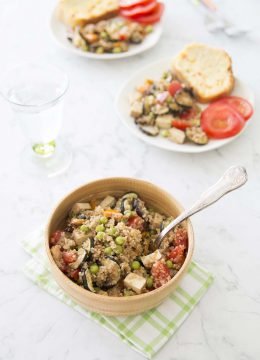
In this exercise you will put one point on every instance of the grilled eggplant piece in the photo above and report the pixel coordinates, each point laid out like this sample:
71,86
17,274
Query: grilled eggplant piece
109,273
197,135
88,245
130,195
174,107
184,98
137,208
149,130
140,209
136,37
112,259
127,202
82,257
87,280
160,109
145,119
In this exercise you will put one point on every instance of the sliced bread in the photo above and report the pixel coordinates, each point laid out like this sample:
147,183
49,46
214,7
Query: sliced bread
206,70
81,12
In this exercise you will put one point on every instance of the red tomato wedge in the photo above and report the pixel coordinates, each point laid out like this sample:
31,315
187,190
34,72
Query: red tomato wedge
239,104
161,274
189,114
174,87
220,121
55,237
125,4
139,9
135,222
152,17
69,257
176,254
181,124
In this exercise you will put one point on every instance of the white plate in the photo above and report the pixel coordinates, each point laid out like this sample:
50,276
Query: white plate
59,32
155,71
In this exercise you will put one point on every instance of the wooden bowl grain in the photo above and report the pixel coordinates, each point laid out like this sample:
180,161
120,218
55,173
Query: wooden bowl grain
116,306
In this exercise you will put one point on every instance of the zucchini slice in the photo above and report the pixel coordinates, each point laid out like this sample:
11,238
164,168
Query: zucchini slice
184,98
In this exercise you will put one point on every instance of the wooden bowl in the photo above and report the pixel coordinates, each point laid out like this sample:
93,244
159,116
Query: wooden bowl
115,306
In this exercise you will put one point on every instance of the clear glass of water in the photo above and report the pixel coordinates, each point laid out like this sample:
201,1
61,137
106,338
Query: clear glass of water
36,95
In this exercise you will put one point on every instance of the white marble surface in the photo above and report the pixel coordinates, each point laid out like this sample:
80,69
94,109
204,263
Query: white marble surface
226,324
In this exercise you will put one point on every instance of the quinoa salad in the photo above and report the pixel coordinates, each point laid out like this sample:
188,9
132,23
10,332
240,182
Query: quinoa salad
109,36
106,246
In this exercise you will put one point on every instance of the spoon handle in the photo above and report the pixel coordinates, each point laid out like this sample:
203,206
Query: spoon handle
232,179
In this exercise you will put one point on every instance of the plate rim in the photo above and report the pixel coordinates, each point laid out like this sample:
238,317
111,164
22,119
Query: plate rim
192,150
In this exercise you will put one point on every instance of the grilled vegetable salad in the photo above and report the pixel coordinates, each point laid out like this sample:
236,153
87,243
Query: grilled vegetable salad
169,109
109,36
106,247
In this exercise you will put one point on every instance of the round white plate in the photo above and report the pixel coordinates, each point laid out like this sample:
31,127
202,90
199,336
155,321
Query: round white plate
59,32
155,71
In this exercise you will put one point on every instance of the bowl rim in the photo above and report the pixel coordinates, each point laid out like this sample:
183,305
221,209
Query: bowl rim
132,298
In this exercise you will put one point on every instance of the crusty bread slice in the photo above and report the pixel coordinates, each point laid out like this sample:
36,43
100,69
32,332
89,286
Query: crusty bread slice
206,70
81,12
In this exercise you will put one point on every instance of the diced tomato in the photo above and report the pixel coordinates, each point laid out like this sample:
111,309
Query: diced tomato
220,121
189,114
176,254
122,37
174,87
136,222
161,274
55,237
139,9
152,17
125,4
181,237
74,275
69,257
181,124
242,106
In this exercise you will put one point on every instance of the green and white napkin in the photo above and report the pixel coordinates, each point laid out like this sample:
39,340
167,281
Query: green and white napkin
145,333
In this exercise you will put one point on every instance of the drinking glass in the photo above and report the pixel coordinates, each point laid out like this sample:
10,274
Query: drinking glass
36,93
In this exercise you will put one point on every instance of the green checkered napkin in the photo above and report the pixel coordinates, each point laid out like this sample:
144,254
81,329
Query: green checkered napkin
145,333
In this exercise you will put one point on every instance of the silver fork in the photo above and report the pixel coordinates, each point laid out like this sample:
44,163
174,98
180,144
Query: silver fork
232,179
215,20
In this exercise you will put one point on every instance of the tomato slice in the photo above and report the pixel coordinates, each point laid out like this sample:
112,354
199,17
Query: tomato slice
139,9
181,124
125,4
152,17
174,87
239,104
220,121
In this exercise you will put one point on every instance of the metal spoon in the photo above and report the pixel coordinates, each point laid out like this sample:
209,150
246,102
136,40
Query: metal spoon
232,179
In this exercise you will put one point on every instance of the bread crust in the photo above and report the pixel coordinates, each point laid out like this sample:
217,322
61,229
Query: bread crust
198,92
91,14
